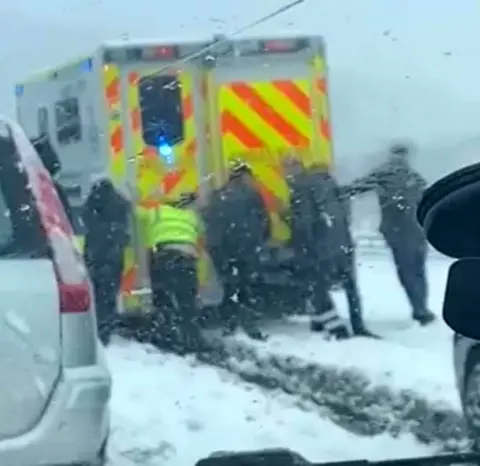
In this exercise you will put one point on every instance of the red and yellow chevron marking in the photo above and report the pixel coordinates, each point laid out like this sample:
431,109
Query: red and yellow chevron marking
118,162
322,104
273,115
151,173
261,122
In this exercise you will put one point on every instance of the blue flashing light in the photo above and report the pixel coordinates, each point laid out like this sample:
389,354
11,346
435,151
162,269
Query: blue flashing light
165,151
19,90
86,65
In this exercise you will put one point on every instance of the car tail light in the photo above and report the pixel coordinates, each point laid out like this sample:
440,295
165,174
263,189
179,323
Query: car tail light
74,298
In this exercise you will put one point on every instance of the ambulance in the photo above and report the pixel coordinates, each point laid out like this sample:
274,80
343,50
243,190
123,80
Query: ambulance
168,116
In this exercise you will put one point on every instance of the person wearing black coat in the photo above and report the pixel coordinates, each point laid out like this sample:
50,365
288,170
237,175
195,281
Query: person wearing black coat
399,189
52,163
335,253
106,219
312,279
237,227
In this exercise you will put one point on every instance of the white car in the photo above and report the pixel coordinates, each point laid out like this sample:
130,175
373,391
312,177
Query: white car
467,371
55,385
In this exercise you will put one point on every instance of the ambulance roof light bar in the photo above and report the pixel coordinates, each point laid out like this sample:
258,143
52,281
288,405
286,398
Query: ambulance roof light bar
159,52
277,45
280,45
151,52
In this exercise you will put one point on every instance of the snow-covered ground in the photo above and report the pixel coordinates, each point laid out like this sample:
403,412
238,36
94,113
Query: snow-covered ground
410,357
170,411
168,408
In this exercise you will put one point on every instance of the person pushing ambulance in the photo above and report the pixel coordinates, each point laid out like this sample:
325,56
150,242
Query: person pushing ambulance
171,232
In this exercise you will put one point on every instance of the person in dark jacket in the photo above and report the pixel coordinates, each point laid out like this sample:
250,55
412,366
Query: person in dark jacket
51,161
237,227
24,223
335,253
307,271
105,216
399,189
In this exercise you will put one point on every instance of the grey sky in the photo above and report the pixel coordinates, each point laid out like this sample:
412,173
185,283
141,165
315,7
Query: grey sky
398,69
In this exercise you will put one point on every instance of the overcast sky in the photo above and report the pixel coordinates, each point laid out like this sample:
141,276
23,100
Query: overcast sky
398,69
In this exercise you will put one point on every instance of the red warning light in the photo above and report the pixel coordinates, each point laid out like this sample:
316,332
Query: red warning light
280,46
160,53
164,52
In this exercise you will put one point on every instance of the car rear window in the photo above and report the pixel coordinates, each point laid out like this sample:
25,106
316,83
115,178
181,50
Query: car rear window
21,231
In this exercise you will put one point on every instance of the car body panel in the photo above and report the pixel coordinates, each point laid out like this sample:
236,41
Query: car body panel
56,386
462,348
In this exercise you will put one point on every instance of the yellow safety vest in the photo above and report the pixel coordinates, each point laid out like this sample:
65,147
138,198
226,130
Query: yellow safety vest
167,224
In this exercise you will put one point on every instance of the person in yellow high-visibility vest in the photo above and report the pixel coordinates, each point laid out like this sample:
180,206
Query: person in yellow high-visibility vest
171,232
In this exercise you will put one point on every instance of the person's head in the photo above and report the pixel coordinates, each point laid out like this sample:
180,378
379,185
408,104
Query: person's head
400,152
239,170
292,166
186,200
319,169
105,186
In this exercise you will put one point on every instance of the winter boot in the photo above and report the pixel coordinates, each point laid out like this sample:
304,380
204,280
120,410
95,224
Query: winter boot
331,323
193,340
340,332
104,332
364,332
359,329
423,316
254,332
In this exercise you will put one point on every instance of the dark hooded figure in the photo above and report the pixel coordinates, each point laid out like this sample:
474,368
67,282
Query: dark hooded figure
23,223
105,216
51,161
399,189
237,226
311,279
335,254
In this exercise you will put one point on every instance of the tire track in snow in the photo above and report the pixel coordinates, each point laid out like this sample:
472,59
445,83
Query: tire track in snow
347,396
162,408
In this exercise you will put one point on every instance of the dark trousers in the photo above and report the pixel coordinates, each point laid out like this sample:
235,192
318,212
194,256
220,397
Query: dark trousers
174,289
322,280
106,280
318,287
410,265
238,308
347,275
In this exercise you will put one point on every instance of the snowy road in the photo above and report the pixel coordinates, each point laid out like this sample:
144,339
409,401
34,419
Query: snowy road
171,412
169,408
387,312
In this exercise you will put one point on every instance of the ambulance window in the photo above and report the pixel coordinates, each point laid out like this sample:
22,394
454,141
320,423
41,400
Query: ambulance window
67,121
161,109
42,121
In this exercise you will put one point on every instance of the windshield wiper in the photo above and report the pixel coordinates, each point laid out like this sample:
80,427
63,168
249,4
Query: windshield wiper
284,457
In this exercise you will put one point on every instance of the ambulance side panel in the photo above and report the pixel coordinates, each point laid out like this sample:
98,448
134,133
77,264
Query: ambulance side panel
66,104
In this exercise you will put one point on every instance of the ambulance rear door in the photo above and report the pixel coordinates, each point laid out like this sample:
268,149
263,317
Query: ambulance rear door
271,102
161,101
